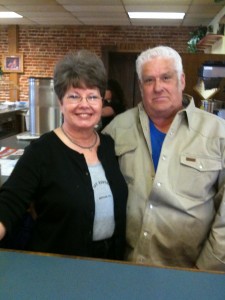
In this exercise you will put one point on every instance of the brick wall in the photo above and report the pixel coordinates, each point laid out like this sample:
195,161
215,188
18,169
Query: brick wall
43,46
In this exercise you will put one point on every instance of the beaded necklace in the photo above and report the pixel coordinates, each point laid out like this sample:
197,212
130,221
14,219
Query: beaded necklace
80,146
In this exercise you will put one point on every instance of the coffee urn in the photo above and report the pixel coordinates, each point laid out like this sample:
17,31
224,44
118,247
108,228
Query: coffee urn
44,109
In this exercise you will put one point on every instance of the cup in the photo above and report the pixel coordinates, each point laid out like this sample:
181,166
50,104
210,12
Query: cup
221,113
208,105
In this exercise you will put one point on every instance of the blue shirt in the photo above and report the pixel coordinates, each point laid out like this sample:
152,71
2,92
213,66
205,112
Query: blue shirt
157,138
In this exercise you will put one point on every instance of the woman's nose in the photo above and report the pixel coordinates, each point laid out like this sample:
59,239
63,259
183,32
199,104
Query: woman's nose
84,101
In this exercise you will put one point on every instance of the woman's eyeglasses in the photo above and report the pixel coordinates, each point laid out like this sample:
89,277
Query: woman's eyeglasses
91,99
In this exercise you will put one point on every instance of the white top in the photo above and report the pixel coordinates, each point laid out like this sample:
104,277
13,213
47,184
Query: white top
104,223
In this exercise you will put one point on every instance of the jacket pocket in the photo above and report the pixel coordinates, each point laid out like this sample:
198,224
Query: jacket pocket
196,176
202,164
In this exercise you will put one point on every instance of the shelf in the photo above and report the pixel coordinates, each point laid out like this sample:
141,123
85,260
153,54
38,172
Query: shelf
208,41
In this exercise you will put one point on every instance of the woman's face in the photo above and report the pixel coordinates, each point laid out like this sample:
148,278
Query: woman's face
81,107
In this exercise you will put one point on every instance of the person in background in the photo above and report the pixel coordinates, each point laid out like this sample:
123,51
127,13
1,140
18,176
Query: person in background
172,156
71,174
114,102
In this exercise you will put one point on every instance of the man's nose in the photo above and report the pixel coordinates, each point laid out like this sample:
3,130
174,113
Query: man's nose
158,84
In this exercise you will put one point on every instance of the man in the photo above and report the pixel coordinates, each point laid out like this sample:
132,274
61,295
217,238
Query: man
172,156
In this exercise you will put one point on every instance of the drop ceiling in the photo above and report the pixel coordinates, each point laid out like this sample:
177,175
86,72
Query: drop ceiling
109,12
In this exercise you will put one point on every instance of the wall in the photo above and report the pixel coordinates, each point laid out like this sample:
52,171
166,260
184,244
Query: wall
43,46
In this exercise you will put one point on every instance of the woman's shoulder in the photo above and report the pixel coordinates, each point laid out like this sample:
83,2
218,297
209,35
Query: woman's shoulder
44,138
44,142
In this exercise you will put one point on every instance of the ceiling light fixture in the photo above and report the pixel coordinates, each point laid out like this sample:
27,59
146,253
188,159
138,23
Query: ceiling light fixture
155,15
9,15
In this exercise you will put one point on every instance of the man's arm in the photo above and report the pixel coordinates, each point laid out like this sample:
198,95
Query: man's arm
212,256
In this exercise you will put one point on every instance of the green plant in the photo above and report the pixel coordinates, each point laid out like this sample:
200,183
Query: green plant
196,36
1,72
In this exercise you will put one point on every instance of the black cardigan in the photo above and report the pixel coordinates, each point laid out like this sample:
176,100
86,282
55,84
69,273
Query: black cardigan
57,180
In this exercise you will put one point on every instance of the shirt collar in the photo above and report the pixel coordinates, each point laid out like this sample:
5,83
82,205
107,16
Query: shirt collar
189,107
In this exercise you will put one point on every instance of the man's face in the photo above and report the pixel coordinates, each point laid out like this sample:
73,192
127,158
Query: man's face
161,89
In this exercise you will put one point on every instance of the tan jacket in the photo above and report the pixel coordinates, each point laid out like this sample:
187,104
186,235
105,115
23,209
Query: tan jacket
175,217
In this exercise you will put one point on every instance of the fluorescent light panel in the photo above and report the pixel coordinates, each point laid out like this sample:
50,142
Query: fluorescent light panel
9,15
155,15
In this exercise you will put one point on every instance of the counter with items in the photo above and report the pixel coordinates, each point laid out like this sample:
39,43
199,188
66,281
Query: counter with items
10,150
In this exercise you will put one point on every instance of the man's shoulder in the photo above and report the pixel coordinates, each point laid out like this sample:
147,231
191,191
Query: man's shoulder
125,119
208,123
124,130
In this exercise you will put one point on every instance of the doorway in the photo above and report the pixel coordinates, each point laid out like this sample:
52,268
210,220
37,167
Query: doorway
121,66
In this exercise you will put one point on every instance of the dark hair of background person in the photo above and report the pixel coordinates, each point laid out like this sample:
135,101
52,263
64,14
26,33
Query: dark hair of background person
117,101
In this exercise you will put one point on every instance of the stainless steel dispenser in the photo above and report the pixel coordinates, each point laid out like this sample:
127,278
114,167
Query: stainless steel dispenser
44,109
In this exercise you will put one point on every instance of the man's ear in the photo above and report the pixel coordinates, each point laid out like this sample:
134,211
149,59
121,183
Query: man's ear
140,86
183,81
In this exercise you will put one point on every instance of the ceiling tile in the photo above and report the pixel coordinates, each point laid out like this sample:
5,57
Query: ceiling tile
107,12
102,8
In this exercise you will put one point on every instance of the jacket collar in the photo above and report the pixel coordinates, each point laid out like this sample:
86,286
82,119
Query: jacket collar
187,111
189,107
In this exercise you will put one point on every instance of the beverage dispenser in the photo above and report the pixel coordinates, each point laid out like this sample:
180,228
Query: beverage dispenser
44,109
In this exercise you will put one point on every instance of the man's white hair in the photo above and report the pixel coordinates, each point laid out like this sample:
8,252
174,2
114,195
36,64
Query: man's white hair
160,51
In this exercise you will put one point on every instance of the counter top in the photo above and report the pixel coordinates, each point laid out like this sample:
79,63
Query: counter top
9,108
36,276
13,142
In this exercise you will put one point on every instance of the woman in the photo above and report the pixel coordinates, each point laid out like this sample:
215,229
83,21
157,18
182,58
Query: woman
71,174
114,102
